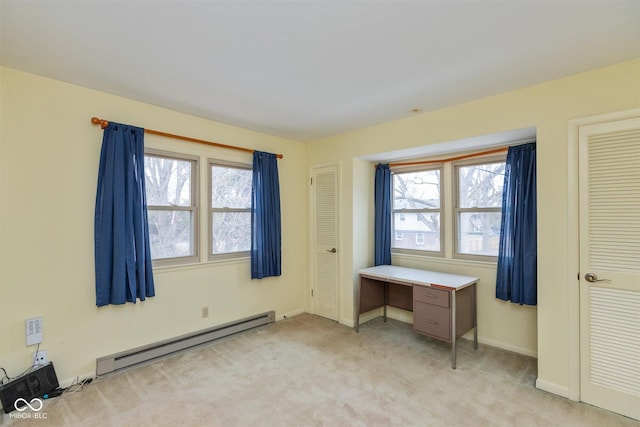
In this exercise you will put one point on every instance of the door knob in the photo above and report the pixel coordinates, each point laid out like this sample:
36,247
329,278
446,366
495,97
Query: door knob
592,277
332,250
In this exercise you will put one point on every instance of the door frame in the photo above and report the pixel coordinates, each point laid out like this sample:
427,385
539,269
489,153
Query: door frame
311,238
573,236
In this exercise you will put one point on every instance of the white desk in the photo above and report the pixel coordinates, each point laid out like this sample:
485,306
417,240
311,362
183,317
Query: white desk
444,305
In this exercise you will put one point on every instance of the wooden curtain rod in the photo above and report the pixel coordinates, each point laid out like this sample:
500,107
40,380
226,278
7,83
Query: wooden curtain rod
451,159
104,123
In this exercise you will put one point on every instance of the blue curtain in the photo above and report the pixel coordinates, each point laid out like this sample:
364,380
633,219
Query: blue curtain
517,256
266,252
122,252
382,201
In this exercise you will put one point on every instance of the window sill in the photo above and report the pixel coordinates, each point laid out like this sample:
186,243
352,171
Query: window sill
200,265
490,264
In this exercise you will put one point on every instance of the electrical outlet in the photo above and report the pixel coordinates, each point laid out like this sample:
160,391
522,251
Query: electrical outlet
205,312
40,358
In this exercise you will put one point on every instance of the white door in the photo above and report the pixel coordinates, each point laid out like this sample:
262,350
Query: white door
609,180
324,185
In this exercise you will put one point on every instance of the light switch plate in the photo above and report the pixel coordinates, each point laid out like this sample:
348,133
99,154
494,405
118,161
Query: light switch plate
34,330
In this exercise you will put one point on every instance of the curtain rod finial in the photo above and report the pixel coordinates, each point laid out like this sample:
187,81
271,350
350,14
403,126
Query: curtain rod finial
96,121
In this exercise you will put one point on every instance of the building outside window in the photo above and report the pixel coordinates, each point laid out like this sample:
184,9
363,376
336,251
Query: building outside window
417,210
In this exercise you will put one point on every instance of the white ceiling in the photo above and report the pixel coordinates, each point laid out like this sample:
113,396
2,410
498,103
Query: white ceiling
311,69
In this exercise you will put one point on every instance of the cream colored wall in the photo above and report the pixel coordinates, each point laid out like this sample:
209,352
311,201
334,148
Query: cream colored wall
48,174
48,165
548,107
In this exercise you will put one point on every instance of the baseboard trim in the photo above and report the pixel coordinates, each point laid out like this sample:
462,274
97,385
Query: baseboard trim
554,388
407,317
364,318
400,314
291,314
503,346
156,350
347,322
71,381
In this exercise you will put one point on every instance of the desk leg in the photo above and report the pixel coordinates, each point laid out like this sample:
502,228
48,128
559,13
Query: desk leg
453,329
475,316
386,300
356,309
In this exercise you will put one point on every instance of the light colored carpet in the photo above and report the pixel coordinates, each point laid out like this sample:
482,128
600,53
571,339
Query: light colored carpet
310,371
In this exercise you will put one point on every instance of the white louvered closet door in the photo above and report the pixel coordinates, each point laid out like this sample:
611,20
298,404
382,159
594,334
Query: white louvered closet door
610,266
325,242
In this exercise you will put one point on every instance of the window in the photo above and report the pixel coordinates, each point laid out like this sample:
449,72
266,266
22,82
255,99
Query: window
177,226
171,190
478,207
467,194
229,210
417,210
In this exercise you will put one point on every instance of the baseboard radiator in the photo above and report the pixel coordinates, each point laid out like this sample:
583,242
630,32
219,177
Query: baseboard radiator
125,359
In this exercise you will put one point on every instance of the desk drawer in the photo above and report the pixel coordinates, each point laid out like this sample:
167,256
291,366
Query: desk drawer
432,320
431,296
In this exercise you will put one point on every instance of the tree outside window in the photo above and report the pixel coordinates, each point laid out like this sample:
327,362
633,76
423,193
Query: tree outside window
417,210
479,206
230,209
171,207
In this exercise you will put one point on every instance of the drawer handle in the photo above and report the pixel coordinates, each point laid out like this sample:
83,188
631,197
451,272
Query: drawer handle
431,295
433,322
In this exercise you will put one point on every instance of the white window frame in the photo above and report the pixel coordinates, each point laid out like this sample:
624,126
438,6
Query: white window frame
193,208
211,210
441,210
457,210
449,209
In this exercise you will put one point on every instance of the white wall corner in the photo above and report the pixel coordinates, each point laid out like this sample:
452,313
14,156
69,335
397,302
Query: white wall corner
291,314
347,322
554,388
364,318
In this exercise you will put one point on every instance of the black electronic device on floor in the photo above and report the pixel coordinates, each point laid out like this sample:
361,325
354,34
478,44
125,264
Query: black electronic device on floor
36,383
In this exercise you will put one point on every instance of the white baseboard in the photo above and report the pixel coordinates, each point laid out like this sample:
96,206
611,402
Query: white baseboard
347,322
552,387
504,346
71,381
407,317
364,318
291,314
400,314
